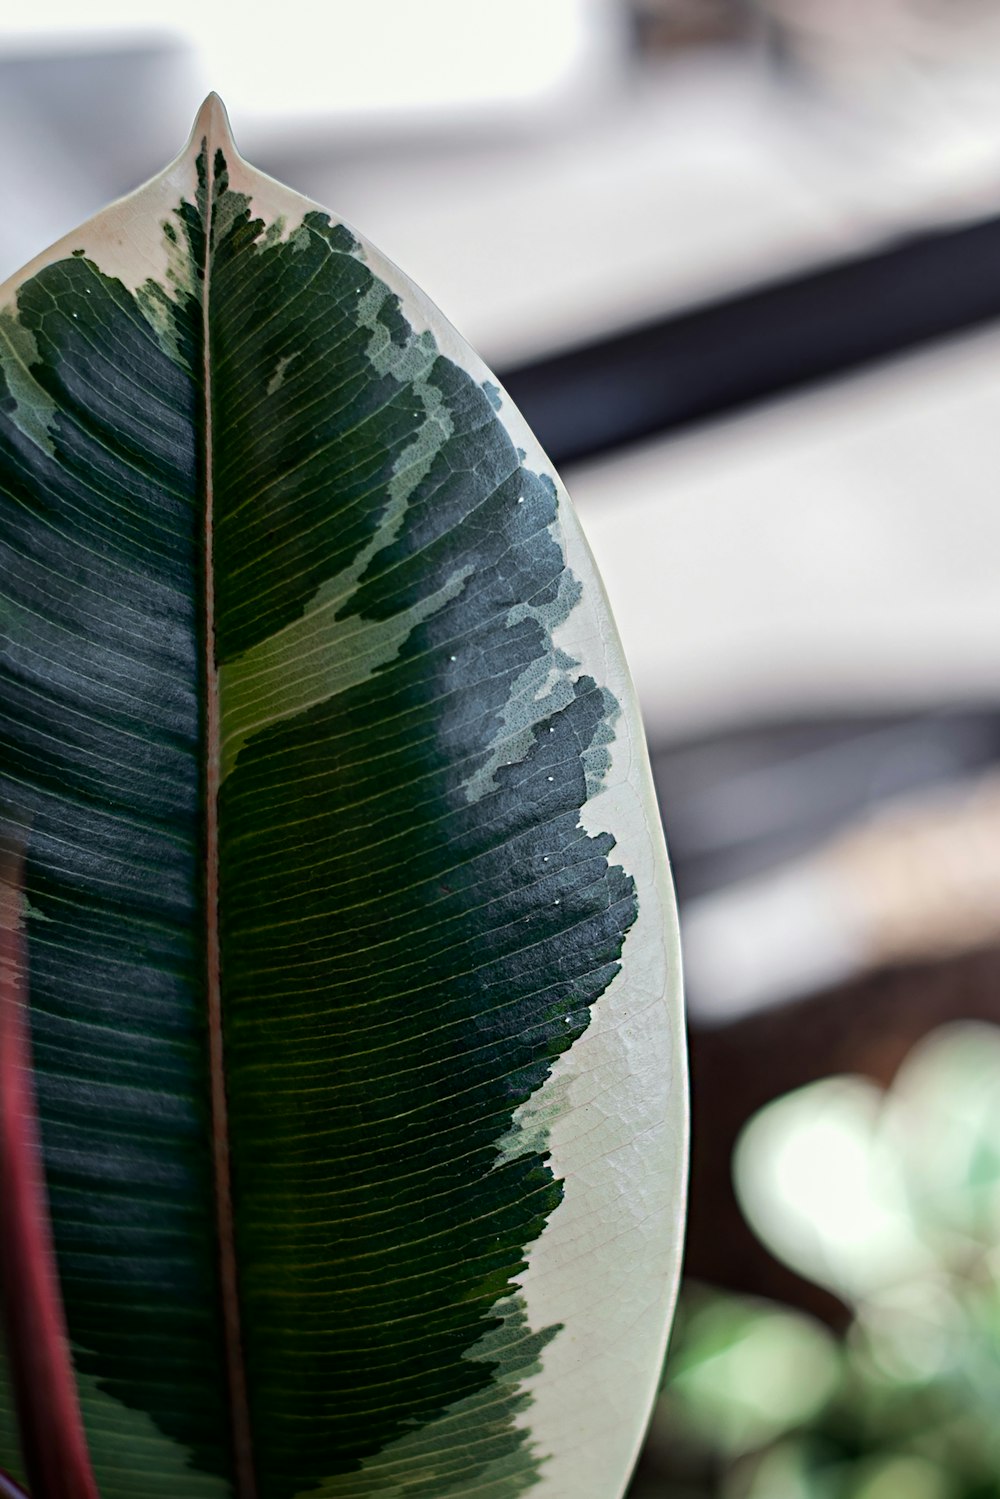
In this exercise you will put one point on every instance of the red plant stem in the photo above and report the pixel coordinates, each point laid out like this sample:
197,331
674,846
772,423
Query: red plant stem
53,1441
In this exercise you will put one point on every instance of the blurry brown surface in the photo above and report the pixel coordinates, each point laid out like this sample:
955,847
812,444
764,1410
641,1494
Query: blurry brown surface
672,25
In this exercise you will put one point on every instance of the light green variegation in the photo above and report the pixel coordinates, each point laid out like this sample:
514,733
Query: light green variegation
352,958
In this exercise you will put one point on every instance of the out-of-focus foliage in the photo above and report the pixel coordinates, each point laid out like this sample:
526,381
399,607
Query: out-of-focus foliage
892,1201
745,1373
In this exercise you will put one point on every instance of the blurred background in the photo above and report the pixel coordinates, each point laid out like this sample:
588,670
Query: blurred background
739,262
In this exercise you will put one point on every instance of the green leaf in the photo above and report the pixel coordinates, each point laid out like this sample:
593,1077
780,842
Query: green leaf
354,984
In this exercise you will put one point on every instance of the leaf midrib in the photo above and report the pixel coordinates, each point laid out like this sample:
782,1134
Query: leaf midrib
244,1477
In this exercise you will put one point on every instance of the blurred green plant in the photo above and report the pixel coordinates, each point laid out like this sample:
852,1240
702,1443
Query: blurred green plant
892,1201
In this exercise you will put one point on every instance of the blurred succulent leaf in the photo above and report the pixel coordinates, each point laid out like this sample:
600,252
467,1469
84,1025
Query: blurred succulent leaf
744,1372
354,985
805,1470
915,1332
943,1119
890,1200
787,1471
822,1187
896,1476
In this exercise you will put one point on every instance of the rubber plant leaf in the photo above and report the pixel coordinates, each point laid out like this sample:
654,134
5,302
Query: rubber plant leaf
343,940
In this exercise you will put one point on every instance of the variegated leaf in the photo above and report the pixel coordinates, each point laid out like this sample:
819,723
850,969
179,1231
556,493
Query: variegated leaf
351,966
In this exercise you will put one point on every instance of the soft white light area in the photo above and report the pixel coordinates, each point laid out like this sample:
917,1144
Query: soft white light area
666,190
307,60
63,25
916,880
769,939
828,552
818,1189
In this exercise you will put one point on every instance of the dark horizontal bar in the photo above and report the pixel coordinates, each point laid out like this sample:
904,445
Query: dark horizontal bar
713,359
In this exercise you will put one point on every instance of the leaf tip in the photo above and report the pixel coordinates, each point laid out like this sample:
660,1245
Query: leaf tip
212,125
